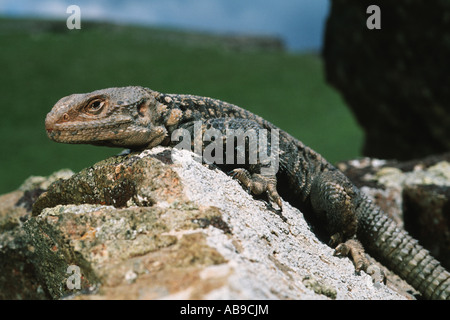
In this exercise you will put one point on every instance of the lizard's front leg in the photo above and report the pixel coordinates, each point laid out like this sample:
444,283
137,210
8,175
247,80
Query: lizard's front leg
245,145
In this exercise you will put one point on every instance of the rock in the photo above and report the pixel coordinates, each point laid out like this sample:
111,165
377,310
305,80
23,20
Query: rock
160,225
17,275
415,193
394,79
427,217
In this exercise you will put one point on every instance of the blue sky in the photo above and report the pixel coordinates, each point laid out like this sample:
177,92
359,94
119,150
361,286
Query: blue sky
299,22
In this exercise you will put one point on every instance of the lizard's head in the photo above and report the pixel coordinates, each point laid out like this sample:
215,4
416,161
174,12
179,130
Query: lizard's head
116,117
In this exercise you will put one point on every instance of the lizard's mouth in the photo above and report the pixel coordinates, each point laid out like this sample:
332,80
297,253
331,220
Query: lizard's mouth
87,134
60,129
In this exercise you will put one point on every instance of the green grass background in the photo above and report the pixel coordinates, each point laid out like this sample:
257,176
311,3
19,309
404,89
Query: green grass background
40,66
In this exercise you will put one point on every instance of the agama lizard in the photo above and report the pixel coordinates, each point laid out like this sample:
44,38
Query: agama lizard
140,118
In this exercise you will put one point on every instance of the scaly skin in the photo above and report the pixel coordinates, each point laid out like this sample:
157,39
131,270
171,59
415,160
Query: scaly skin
140,118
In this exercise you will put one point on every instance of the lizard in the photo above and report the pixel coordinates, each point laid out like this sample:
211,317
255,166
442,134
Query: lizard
139,118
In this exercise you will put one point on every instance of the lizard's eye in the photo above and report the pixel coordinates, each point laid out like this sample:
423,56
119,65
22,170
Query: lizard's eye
95,106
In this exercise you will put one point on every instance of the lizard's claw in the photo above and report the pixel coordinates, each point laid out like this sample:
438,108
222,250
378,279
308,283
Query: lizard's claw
239,174
234,173
356,250
273,195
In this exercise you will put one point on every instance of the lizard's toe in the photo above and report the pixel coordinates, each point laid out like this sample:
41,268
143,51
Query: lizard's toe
239,174
273,194
355,249
258,184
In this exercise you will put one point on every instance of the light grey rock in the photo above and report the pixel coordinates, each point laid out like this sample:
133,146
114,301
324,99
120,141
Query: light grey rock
269,258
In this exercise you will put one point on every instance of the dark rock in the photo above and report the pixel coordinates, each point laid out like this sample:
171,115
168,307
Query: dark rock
394,79
426,210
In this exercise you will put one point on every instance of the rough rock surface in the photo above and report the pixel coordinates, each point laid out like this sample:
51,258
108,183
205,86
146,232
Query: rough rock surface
395,79
18,279
415,193
159,224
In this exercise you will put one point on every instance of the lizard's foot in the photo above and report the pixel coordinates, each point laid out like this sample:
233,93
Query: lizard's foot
258,184
356,250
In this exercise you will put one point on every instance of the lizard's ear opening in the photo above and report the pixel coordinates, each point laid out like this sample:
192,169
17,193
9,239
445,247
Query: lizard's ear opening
142,109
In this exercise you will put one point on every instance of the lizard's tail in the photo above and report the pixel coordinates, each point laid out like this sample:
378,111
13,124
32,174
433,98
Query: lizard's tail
399,251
